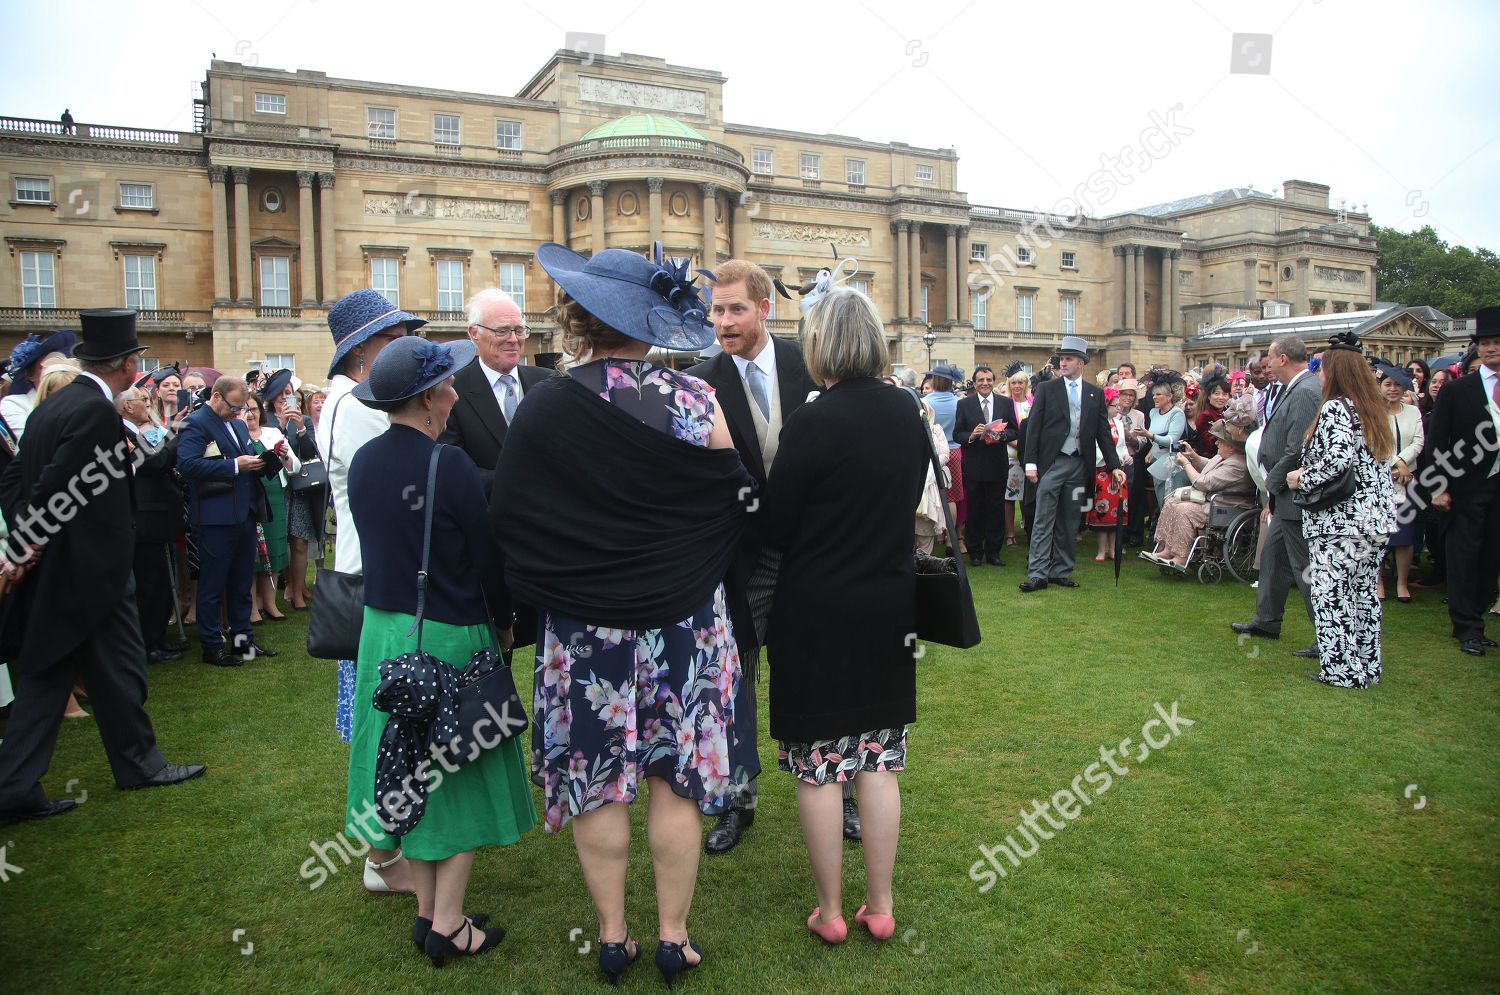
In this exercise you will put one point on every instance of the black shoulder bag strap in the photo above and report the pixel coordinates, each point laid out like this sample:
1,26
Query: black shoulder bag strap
432,468
937,476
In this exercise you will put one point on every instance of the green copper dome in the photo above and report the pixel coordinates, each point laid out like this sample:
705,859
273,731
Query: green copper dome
633,125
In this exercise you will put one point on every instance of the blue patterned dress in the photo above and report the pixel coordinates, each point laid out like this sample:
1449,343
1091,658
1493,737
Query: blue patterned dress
613,706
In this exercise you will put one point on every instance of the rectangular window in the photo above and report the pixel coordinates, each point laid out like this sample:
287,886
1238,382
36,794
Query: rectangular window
1025,307
382,122
1069,309
140,282
450,279
979,250
762,161
276,281
924,172
1069,260
140,195
33,189
513,282
147,365
508,135
270,103
924,305
280,361
812,165
385,278
38,286
772,313
854,172
445,129
863,286
1023,255
979,310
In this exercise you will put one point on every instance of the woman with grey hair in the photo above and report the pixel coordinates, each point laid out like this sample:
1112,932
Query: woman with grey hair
843,679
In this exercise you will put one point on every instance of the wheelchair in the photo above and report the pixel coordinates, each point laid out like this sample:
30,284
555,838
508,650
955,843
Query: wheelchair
1227,543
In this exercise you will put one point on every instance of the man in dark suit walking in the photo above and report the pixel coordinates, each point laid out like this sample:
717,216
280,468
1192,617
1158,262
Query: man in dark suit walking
490,390
986,464
225,502
1292,404
759,381
67,498
1463,468
1068,419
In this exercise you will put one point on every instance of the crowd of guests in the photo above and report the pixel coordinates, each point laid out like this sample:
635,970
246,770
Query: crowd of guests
646,535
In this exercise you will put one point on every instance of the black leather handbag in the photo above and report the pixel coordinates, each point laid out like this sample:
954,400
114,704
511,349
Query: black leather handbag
944,603
1331,492
338,609
313,476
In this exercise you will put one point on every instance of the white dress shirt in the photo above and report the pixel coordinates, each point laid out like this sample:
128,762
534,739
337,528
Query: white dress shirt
766,361
496,388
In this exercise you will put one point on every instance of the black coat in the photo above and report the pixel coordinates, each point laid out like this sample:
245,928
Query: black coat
985,462
158,492
792,382
841,504
1047,425
476,424
1460,415
86,563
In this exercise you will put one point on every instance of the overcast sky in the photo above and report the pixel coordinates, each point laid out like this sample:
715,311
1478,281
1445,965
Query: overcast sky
1384,102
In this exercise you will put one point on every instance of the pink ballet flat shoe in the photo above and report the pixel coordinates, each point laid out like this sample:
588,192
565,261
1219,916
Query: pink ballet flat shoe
881,927
832,933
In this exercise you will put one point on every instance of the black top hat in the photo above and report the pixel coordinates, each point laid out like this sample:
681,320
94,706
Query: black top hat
1486,323
108,333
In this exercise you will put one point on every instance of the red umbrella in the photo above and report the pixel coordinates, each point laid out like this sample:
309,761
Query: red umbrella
208,373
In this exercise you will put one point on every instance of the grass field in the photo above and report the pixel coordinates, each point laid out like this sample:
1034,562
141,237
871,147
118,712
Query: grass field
1296,838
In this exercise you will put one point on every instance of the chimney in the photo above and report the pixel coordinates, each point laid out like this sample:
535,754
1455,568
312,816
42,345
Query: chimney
1303,192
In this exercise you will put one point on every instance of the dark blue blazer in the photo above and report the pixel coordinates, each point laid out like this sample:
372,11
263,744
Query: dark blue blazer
241,502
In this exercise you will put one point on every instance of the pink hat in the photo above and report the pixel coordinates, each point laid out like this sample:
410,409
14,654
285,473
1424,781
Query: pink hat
1237,375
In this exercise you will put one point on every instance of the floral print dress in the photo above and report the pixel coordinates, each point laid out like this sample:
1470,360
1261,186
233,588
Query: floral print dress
613,706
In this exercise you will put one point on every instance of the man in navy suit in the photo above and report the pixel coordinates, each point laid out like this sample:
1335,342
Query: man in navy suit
1067,421
224,504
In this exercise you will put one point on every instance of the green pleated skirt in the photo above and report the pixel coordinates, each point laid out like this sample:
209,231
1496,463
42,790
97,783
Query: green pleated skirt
487,802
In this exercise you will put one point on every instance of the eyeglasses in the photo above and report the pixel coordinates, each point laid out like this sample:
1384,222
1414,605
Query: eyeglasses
517,332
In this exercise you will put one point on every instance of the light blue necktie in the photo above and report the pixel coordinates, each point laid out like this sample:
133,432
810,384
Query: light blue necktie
508,404
1075,415
757,378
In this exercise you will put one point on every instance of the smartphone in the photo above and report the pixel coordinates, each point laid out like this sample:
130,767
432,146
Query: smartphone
182,398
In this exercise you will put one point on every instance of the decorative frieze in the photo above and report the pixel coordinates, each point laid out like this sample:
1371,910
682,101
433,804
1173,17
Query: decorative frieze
456,170
1334,274
646,96
511,212
789,231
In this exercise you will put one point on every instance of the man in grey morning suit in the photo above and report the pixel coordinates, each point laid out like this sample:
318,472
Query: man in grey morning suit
1291,407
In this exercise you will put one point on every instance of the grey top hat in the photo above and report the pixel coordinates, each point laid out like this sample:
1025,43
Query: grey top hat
1073,345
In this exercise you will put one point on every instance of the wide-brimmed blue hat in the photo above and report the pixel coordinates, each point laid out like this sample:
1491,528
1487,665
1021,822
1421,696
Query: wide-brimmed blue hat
1403,378
357,316
35,346
273,385
652,302
946,370
409,366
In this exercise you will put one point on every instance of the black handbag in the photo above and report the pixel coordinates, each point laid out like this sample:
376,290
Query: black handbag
1331,492
489,709
338,609
312,477
944,603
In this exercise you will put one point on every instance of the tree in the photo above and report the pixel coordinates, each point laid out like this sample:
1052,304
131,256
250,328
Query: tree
1420,268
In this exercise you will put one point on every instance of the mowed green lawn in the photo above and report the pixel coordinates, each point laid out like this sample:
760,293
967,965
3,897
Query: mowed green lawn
1296,838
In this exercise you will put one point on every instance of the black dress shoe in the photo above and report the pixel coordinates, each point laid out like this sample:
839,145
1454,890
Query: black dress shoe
1310,653
1487,641
41,812
219,658
1473,647
162,656
994,561
1033,584
173,645
420,927
1251,629
262,651
851,821
171,774
725,834
1063,581
976,561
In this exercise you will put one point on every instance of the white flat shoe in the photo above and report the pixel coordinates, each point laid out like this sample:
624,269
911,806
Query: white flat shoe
374,883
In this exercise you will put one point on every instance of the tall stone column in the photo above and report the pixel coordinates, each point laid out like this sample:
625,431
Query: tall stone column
216,176
1173,324
951,273
914,256
1250,278
242,284
1304,268
329,254
963,276
1121,308
710,224
596,214
560,217
1129,253
1139,252
742,232
903,282
653,200
307,255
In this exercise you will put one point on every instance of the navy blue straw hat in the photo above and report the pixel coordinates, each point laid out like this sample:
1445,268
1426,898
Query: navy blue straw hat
357,316
272,386
652,302
39,344
1403,378
946,370
409,366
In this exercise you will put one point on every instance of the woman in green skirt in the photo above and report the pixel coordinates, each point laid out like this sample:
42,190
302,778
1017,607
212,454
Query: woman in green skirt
487,801
266,438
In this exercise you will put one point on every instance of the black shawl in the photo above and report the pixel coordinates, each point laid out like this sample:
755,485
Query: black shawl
608,520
